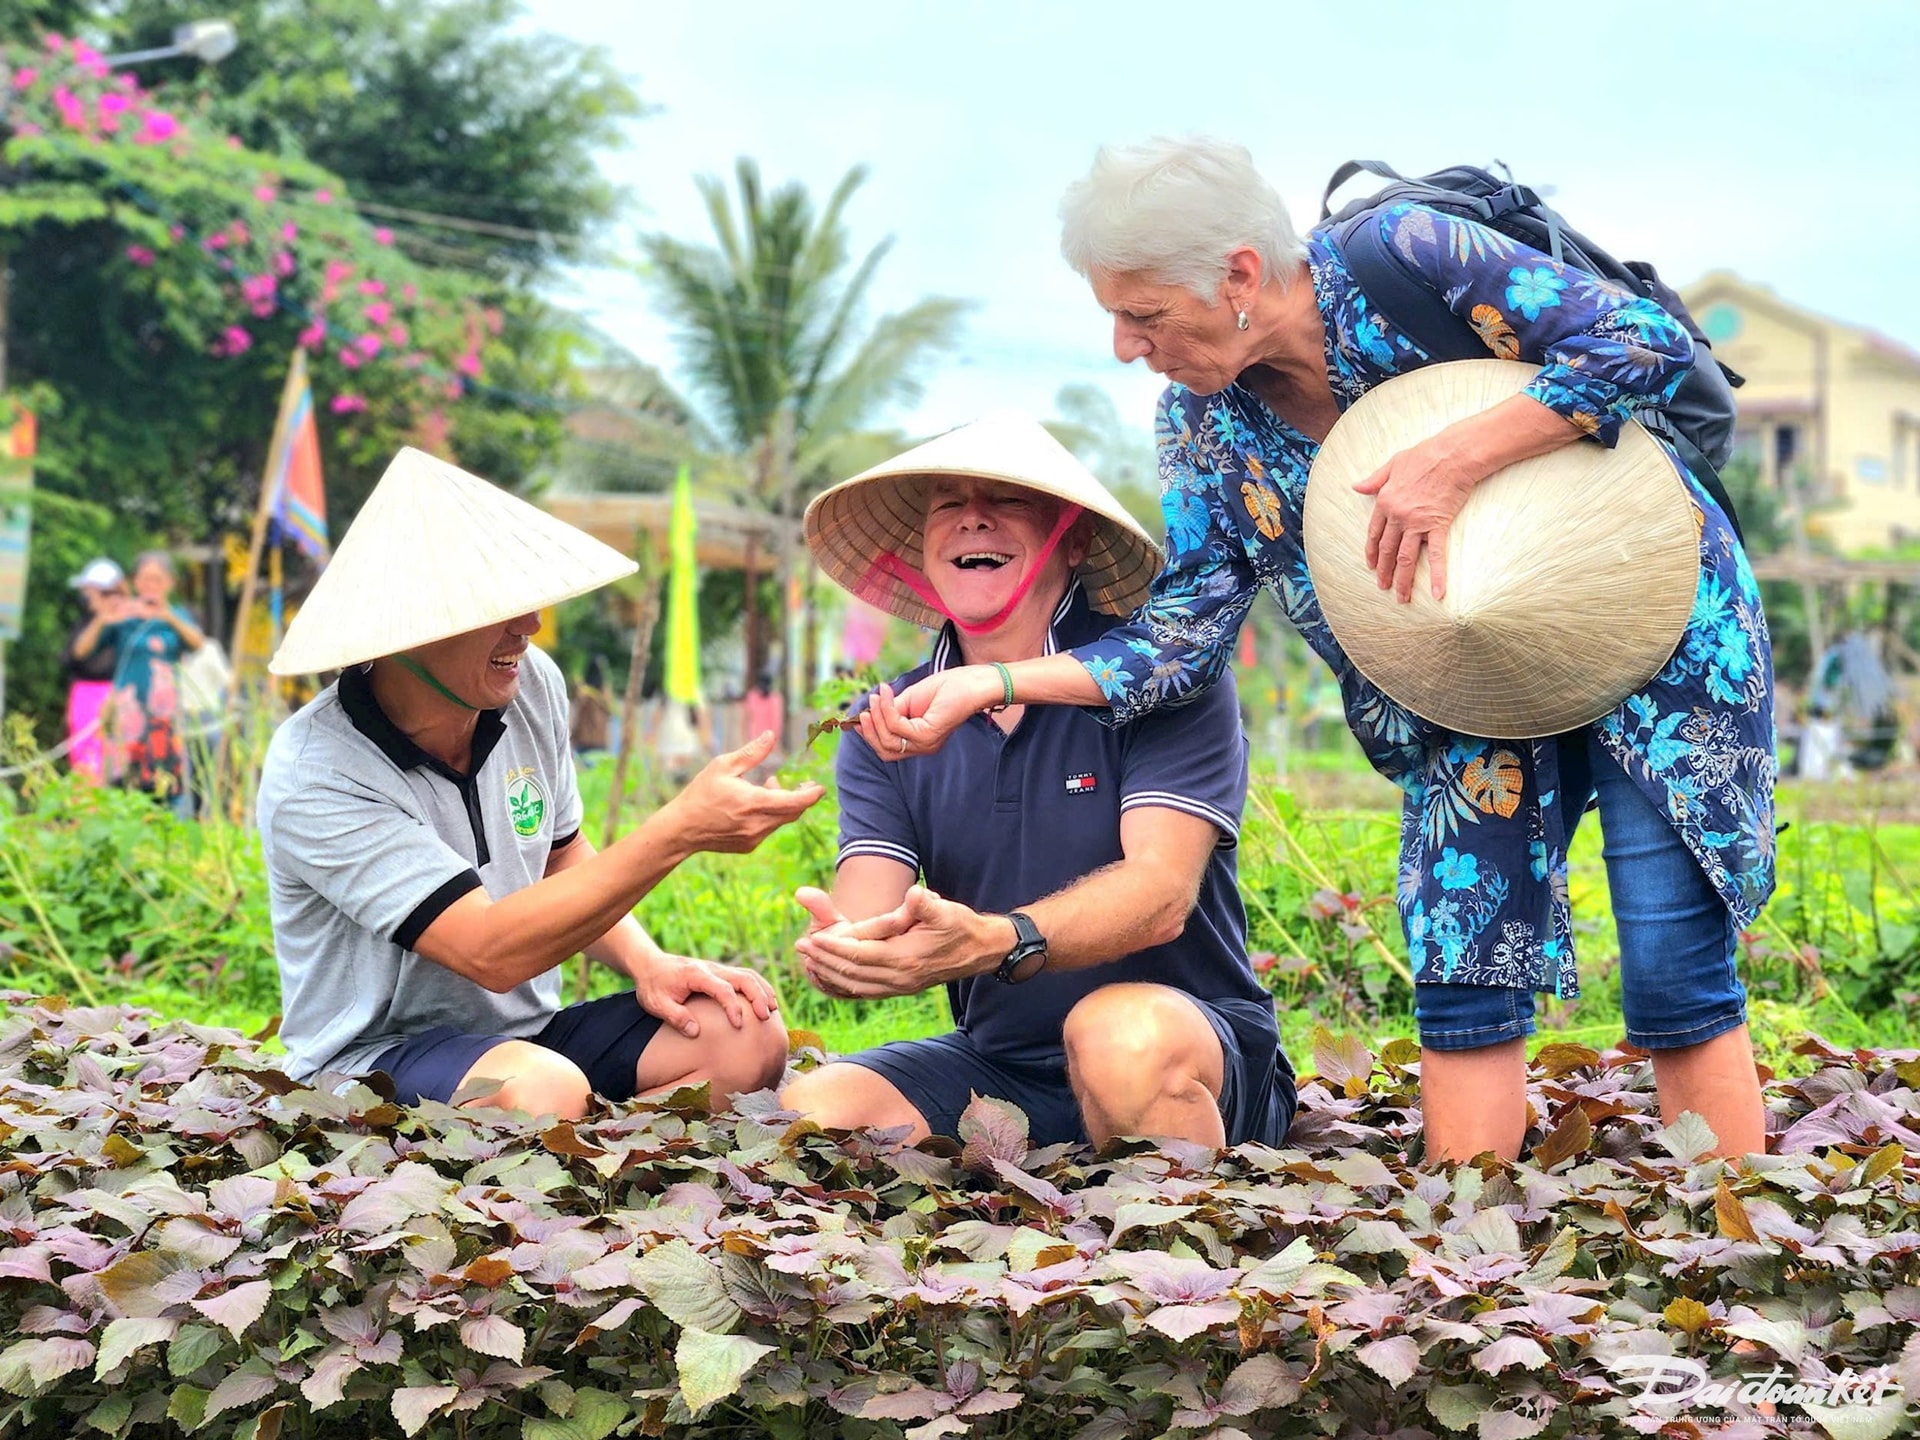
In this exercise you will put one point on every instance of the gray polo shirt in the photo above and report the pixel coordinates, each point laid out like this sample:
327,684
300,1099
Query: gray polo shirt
369,839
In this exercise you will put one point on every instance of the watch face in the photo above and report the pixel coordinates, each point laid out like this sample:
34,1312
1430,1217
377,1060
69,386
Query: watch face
1025,967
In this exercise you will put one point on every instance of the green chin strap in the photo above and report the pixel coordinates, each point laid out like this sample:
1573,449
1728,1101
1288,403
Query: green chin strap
420,672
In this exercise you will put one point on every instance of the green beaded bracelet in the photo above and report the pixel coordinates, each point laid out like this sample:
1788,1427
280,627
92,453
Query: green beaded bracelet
1006,679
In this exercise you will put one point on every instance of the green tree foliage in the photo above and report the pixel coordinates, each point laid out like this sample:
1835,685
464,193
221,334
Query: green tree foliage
163,269
769,323
452,110
769,319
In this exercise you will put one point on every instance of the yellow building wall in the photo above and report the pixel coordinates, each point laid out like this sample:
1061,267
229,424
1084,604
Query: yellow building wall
1868,399
1779,360
1809,373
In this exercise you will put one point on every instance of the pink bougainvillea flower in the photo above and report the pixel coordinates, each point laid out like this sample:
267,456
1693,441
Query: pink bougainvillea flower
24,77
289,232
397,335
87,58
348,357
283,263
265,194
114,103
323,197
55,43
216,241
337,270
372,287
234,341
261,291
24,129
313,334
347,404
408,291
433,432
239,233
383,236
468,364
176,232
156,127
493,318
72,112
379,312
141,255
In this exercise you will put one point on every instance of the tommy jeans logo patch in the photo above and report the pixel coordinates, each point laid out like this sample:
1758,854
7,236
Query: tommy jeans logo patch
1081,784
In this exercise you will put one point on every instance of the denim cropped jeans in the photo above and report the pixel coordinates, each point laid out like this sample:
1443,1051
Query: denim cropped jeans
1677,980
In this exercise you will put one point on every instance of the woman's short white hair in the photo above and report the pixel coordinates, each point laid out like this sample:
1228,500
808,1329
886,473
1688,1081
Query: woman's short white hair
1173,209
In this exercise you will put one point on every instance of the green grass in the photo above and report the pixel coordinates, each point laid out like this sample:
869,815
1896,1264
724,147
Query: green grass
103,897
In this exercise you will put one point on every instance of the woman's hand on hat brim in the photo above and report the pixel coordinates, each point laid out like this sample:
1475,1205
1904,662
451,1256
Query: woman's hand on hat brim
1420,491
1418,494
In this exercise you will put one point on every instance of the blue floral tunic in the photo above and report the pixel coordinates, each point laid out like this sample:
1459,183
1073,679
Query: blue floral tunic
1483,837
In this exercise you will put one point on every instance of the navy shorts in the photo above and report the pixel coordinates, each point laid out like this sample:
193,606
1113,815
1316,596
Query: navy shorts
603,1037
1678,984
939,1076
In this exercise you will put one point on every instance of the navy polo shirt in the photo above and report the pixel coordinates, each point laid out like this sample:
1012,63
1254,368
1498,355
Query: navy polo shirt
997,821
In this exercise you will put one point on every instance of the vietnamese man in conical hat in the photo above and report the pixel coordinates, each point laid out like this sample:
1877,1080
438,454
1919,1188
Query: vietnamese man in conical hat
423,839
1076,888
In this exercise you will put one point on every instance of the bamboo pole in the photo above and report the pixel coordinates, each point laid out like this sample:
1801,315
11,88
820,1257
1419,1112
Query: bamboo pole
646,613
276,459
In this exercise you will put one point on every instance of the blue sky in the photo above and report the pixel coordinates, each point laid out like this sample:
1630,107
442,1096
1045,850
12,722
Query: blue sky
1778,140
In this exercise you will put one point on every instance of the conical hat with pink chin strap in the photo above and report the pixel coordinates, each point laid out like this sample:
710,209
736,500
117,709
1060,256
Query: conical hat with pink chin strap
866,532
437,552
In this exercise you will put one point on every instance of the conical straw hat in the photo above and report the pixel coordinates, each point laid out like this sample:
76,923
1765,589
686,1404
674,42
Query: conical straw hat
437,552
881,510
1570,576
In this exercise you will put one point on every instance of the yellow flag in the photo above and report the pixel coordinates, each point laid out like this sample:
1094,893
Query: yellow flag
683,617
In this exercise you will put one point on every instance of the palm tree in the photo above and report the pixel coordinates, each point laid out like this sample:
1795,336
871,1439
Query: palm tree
768,323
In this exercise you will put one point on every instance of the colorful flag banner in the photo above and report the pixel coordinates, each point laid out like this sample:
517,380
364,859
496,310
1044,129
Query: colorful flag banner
293,468
683,616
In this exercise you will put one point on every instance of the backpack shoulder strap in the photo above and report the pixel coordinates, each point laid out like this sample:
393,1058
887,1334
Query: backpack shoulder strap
1352,168
1399,295
1416,311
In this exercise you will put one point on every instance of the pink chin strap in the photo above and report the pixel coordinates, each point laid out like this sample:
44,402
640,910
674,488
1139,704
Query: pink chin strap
873,586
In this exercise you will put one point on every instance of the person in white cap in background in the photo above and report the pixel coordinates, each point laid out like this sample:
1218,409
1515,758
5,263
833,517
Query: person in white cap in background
421,828
89,664
1080,901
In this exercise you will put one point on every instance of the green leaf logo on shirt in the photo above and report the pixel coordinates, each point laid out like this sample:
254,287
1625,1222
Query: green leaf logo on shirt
526,802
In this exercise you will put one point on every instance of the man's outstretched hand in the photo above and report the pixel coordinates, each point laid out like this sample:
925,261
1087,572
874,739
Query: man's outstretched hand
723,811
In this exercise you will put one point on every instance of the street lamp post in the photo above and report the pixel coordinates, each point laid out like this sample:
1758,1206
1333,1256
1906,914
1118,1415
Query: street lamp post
205,40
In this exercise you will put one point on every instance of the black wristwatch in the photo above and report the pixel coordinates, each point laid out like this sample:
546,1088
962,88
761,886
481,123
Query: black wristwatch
1029,954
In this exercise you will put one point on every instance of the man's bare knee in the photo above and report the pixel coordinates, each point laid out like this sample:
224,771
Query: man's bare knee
532,1078
730,1061
844,1096
1130,1047
754,1057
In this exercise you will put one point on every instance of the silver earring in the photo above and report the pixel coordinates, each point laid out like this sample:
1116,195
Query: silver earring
1240,321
